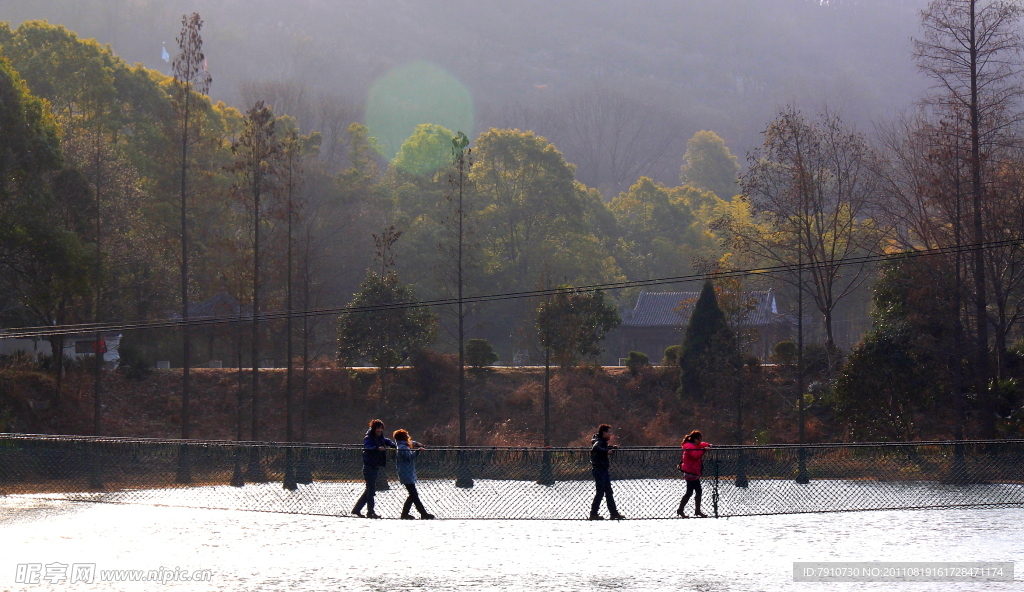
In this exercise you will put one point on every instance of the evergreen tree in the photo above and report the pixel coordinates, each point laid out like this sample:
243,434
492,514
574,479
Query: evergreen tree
380,326
480,354
904,367
710,358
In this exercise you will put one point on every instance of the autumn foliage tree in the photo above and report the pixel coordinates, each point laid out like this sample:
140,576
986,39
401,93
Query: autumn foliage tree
813,189
708,164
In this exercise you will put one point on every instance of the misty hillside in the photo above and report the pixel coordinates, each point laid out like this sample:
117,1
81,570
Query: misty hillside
688,64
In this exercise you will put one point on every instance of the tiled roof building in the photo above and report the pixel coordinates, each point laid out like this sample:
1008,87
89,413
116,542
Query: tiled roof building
659,319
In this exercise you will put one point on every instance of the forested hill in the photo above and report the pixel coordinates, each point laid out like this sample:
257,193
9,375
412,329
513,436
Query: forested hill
693,64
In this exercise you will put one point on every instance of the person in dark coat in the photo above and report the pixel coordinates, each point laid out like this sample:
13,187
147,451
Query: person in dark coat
408,449
600,452
374,459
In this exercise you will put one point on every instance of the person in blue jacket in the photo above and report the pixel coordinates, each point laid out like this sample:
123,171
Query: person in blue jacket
599,453
374,459
408,450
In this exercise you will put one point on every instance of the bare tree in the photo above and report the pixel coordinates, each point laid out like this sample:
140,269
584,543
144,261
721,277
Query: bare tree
333,116
812,188
972,50
190,76
282,96
1004,208
912,162
613,136
328,114
925,181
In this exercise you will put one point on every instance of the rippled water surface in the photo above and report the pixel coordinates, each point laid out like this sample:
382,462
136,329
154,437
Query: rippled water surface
293,552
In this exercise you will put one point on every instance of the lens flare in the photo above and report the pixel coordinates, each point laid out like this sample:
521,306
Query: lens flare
414,94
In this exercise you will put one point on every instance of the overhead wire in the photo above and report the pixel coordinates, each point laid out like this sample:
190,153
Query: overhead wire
38,332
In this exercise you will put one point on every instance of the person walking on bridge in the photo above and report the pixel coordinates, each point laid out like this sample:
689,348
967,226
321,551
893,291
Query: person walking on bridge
408,449
600,452
374,459
692,467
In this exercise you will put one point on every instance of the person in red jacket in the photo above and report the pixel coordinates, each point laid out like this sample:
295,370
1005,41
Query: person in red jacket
692,467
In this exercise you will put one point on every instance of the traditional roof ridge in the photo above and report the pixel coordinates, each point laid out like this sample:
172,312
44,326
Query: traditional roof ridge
673,309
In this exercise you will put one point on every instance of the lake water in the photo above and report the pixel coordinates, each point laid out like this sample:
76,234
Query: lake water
247,550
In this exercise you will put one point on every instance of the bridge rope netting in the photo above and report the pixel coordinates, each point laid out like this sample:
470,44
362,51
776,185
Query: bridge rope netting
513,483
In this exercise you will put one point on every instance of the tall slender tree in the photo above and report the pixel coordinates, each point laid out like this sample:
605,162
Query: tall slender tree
258,152
308,255
456,252
972,50
454,260
190,76
99,346
547,477
291,152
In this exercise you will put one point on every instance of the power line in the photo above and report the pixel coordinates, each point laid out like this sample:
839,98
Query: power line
76,329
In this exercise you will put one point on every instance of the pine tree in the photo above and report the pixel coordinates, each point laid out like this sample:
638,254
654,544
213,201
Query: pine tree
710,357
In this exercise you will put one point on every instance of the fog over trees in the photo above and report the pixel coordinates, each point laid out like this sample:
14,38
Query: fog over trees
659,69
869,152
